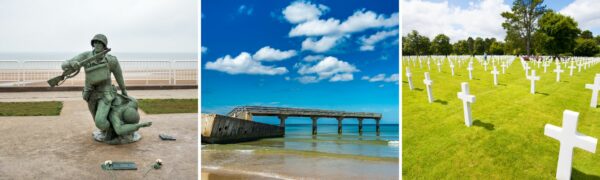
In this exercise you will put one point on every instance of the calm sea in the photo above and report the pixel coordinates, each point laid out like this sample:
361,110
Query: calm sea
298,139
120,56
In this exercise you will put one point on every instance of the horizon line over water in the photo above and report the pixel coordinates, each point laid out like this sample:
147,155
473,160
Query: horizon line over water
119,55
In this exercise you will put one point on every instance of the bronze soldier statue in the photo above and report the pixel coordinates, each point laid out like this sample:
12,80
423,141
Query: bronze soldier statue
99,93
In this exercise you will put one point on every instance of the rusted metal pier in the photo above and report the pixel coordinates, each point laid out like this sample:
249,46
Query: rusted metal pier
247,112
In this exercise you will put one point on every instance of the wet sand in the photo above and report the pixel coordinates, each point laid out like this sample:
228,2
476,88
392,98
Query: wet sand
244,164
62,147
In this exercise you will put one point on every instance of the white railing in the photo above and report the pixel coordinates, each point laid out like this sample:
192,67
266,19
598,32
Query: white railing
135,72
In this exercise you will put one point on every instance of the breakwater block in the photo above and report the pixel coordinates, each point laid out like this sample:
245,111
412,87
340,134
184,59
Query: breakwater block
220,129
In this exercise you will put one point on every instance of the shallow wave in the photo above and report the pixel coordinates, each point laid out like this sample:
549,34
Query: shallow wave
393,143
245,151
254,173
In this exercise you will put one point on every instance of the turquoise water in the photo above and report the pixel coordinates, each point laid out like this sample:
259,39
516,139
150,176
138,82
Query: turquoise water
298,138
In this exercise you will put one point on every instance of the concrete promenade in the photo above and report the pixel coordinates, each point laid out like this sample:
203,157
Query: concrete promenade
62,147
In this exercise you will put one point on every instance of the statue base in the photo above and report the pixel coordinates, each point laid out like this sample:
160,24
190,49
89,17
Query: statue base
101,136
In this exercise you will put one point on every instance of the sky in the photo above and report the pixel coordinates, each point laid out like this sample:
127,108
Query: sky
333,55
157,26
460,19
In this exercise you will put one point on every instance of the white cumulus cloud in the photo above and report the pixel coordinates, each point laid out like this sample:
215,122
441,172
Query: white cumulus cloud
362,20
585,12
311,58
321,45
342,77
316,28
368,44
301,11
381,78
329,68
243,64
269,54
306,18
479,19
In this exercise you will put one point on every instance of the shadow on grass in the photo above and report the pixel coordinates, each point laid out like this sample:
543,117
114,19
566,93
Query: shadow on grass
441,102
418,89
488,126
545,94
405,82
500,84
576,174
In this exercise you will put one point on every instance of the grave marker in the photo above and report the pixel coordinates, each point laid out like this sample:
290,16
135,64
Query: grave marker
409,77
533,78
428,82
594,87
467,100
569,138
495,73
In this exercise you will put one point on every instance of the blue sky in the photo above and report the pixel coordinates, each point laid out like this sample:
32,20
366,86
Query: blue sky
460,19
337,55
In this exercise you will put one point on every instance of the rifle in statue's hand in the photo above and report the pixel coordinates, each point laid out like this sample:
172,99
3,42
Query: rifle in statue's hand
73,71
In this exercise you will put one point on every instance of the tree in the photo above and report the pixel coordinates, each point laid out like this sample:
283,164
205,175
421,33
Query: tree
441,45
558,33
488,43
587,34
496,48
520,23
416,44
479,46
597,38
461,47
586,47
406,47
471,45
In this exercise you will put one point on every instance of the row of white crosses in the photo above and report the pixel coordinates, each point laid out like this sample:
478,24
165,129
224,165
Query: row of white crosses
567,135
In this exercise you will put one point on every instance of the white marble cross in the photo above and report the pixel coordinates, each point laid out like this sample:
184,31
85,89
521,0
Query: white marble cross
495,73
571,67
579,65
428,66
470,69
594,87
439,65
485,66
452,68
533,78
545,66
558,71
409,77
503,67
467,100
569,139
527,70
428,82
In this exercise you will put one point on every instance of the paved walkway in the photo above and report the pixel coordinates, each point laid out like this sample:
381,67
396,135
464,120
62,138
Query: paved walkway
62,147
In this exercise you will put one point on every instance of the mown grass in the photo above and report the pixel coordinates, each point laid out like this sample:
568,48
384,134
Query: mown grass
47,108
507,138
168,106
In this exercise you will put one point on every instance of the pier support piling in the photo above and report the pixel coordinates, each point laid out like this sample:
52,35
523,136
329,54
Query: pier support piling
360,125
377,126
339,119
314,125
282,122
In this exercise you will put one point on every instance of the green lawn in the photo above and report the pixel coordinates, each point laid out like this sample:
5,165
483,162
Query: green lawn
48,108
167,106
507,138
